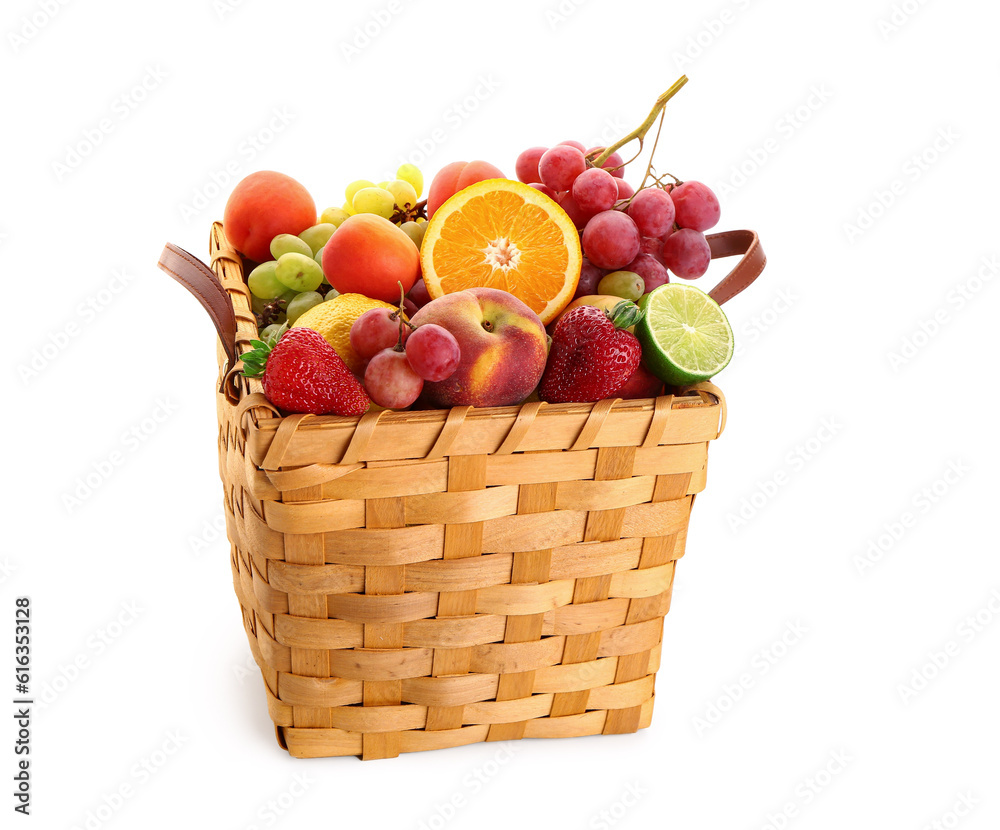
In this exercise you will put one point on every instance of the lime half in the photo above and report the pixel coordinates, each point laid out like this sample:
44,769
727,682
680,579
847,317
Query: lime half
685,336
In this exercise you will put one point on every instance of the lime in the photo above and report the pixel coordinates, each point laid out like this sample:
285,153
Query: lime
685,336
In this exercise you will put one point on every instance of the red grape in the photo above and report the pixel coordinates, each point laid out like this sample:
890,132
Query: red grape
686,253
390,381
433,352
541,188
652,245
526,166
652,210
375,330
560,166
613,163
579,216
572,143
590,275
595,190
419,294
611,240
697,206
624,189
652,271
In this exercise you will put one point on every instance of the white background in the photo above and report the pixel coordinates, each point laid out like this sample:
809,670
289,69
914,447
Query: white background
867,134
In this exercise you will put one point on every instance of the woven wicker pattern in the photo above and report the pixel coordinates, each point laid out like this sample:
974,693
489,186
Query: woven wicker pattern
413,581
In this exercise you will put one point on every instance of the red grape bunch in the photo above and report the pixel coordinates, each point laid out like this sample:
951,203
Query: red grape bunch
654,232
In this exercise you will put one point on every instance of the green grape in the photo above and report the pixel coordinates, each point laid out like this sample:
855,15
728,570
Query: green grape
333,216
301,304
317,236
287,243
263,282
348,209
299,272
420,220
354,187
411,173
272,333
374,200
382,185
333,292
403,192
414,231
319,259
625,284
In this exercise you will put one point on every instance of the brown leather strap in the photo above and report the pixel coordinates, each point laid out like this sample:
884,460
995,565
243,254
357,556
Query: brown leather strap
736,243
199,279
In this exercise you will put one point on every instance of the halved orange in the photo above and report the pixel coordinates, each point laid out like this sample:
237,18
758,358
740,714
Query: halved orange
503,234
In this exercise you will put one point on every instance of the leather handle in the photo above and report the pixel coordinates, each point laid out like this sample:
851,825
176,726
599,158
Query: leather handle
736,243
201,281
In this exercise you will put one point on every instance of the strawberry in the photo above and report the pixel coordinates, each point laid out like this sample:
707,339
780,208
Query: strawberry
303,373
592,357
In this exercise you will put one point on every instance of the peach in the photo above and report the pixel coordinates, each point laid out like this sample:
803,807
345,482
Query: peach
457,176
263,205
369,255
503,345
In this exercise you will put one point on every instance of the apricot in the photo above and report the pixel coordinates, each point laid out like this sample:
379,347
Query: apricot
369,255
457,176
263,205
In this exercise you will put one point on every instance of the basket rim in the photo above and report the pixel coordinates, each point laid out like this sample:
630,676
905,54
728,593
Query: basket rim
690,399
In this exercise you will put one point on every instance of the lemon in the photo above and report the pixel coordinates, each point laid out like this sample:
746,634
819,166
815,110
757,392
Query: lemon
333,319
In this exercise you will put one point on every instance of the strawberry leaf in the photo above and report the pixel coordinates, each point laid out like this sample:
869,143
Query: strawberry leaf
625,314
255,360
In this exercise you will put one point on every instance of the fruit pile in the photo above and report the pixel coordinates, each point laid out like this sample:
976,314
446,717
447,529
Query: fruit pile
402,302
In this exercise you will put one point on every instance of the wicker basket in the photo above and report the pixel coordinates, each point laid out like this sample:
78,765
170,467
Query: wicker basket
428,579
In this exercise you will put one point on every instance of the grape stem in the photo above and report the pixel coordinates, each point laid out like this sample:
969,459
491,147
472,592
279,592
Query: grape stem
640,131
